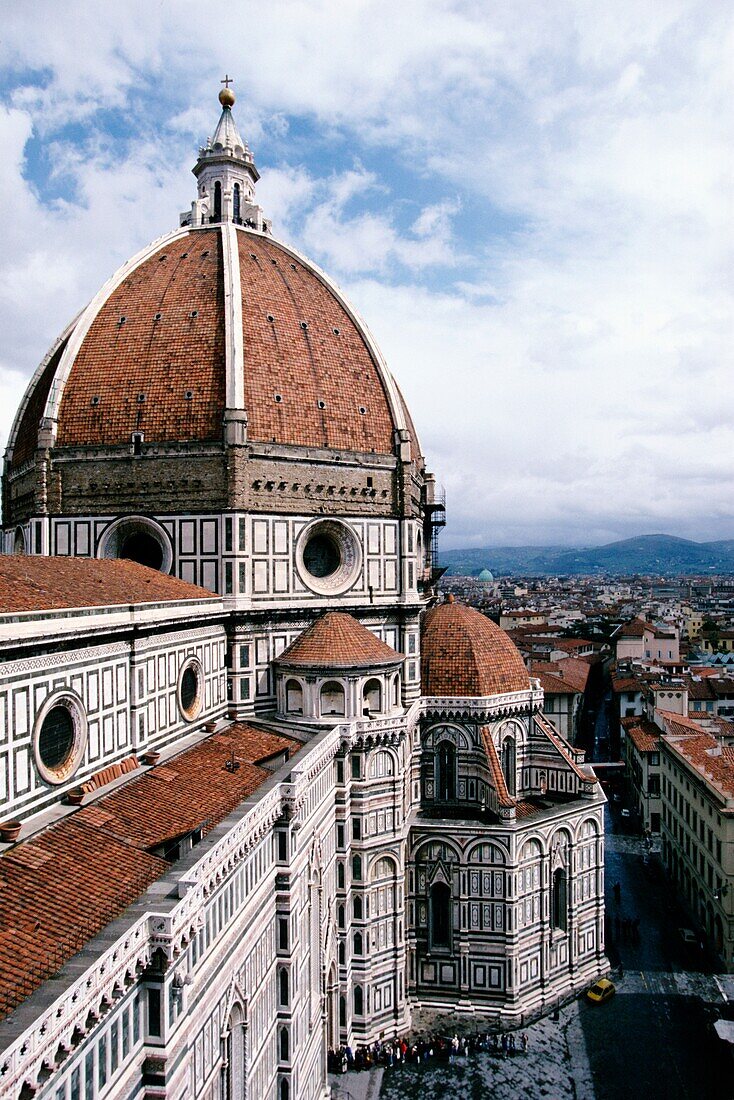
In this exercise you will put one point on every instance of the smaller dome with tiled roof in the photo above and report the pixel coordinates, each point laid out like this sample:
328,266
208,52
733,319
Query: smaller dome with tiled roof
337,640
463,653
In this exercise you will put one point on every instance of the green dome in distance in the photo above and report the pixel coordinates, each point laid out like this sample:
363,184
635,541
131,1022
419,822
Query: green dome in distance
486,577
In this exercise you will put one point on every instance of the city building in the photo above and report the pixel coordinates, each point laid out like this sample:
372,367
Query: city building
264,794
698,831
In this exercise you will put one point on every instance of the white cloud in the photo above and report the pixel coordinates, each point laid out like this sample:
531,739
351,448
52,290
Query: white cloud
559,311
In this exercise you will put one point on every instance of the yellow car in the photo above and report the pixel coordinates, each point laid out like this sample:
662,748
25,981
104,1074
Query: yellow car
601,992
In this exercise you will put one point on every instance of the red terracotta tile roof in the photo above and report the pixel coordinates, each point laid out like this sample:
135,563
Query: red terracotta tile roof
547,727
338,640
504,798
705,755
299,343
308,365
680,724
161,358
34,583
645,735
625,684
634,629
576,670
555,685
465,653
62,886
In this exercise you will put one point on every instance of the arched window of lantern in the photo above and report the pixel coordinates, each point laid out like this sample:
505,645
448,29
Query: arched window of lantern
217,202
509,764
332,699
283,986
236,1052
236,204
440,911
445,771
559,900
284,1044
293,697
372,697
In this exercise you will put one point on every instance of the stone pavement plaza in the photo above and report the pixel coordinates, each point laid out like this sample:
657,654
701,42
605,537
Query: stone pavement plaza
546,1070
605,1052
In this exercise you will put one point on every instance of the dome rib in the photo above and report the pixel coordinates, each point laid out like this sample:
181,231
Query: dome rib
463,653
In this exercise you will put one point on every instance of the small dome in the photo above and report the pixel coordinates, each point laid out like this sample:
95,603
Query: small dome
336,640
485,577
465,653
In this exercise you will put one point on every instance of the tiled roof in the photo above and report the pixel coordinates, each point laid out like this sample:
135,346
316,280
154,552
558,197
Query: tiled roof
154,357
625,684
504,797
308,365
35,583
554,685
634,629
182,351
338,640
700,689
62,886
680,724
465,653
547,727
709,758
645,735
574,672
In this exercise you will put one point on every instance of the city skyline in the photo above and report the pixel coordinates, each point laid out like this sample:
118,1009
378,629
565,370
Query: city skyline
531,213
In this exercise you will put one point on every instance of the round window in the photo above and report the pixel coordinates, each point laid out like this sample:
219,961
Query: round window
138,539
328,556
59,737
191,689
321,555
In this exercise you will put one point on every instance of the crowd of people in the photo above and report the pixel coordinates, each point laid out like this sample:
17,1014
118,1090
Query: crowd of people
439,1048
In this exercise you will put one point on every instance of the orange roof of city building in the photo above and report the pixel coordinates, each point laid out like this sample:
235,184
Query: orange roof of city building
645,735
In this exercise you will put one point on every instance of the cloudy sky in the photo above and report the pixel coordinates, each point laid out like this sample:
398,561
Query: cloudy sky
530,201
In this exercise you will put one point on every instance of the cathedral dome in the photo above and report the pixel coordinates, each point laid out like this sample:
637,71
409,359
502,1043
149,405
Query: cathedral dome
205,320
463,653
214,323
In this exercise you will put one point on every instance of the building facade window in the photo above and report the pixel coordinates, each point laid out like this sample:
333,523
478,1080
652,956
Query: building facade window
446,772
559,900
440,915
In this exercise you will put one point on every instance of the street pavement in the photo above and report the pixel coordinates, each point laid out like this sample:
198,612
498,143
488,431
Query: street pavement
653,1040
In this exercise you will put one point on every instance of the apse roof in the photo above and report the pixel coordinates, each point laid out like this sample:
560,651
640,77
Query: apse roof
463,653
337,640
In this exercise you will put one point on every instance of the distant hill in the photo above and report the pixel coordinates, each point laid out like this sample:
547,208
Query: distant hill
661,554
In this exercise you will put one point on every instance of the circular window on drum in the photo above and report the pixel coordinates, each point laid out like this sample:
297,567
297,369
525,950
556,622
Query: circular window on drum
191,689
60,737
328,556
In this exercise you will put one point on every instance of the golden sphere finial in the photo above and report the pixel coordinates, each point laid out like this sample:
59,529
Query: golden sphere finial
226,96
